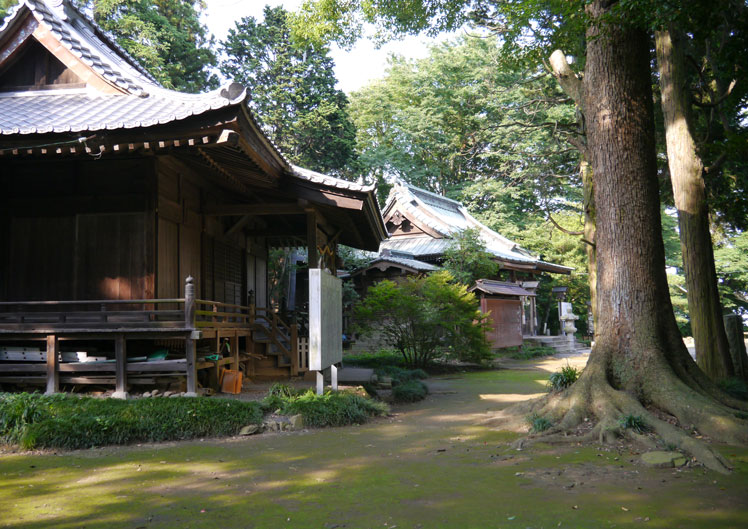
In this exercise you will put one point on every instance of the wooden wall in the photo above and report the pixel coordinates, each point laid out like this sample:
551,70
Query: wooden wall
119,228
224,267
76,230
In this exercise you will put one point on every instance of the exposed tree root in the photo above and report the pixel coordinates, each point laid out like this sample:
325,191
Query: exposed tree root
592,400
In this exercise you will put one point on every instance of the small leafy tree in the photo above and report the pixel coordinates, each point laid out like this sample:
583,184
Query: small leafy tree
425,317
467,258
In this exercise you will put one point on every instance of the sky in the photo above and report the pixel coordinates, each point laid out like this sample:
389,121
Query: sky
354,68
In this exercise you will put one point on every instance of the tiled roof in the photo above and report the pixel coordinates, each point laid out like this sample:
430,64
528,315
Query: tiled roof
89,43
320,178
410,263
83,111
489,286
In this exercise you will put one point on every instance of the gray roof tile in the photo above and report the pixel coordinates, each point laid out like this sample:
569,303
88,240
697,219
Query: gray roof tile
83,111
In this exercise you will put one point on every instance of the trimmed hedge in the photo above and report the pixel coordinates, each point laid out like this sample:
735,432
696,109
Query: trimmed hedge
410,391
338,408
70,422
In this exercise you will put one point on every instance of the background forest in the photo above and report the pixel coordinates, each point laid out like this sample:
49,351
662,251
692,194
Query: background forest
475,120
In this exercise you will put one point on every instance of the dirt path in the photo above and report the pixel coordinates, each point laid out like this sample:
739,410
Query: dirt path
431,465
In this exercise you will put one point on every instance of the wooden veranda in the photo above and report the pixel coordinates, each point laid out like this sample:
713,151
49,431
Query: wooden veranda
187,320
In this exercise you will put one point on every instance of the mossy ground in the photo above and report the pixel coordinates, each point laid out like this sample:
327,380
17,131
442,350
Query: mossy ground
431,465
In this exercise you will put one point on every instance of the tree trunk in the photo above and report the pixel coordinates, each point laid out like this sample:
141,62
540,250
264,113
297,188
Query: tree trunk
590,233
686,174
639,362
573,87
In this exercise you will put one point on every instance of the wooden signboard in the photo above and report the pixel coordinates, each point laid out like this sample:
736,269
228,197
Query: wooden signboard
325,319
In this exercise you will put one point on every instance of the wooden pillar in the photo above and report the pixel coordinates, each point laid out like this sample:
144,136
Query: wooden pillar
190,345
53,368
189,303
294,349
311,238
190,353
120,356
234,344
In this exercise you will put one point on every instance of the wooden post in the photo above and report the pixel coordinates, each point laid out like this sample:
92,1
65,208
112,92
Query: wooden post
189,349
120,354
311,238
234,344
53,371
294,349
189,303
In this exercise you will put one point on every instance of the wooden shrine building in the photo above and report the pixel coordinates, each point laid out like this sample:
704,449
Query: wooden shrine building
135,221
421,225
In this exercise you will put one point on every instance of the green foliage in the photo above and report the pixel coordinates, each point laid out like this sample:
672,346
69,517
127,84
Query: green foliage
424,317
467,259
731,261
165,36
399,375
337,408
293,92
410,391
538,424
560,380
634,422
381,358
529,352
67,421
735,387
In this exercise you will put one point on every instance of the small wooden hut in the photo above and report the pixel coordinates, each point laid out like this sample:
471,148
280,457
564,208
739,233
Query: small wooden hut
503,303
135,218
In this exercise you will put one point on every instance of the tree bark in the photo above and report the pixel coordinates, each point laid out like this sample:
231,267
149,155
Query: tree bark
639,362
686,174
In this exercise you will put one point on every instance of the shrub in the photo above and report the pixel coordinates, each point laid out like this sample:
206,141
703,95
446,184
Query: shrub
538,424
409,391
735,387
424,317
528,352
336,408
383,357
399,375
633,422
67,421
561,380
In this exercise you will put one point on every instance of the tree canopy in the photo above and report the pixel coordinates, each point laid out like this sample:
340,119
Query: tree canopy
292,89
166,36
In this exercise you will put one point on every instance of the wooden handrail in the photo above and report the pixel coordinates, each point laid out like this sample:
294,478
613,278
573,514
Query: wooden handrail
92,302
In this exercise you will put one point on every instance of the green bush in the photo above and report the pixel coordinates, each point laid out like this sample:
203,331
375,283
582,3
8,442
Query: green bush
561,380
528,352
409,391
633,422
426,317
68,421
735,387
382,358
399,375
538,424
336,408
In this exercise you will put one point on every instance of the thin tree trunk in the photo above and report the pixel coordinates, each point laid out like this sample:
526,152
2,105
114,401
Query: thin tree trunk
573,87
686,174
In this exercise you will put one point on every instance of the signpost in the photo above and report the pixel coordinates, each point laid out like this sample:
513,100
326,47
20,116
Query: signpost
325,325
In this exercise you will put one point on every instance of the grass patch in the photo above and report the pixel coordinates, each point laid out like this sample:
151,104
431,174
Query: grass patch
538,424
336,408
71,422
735,387
561,380
410,391
382,358
528,352
633,422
